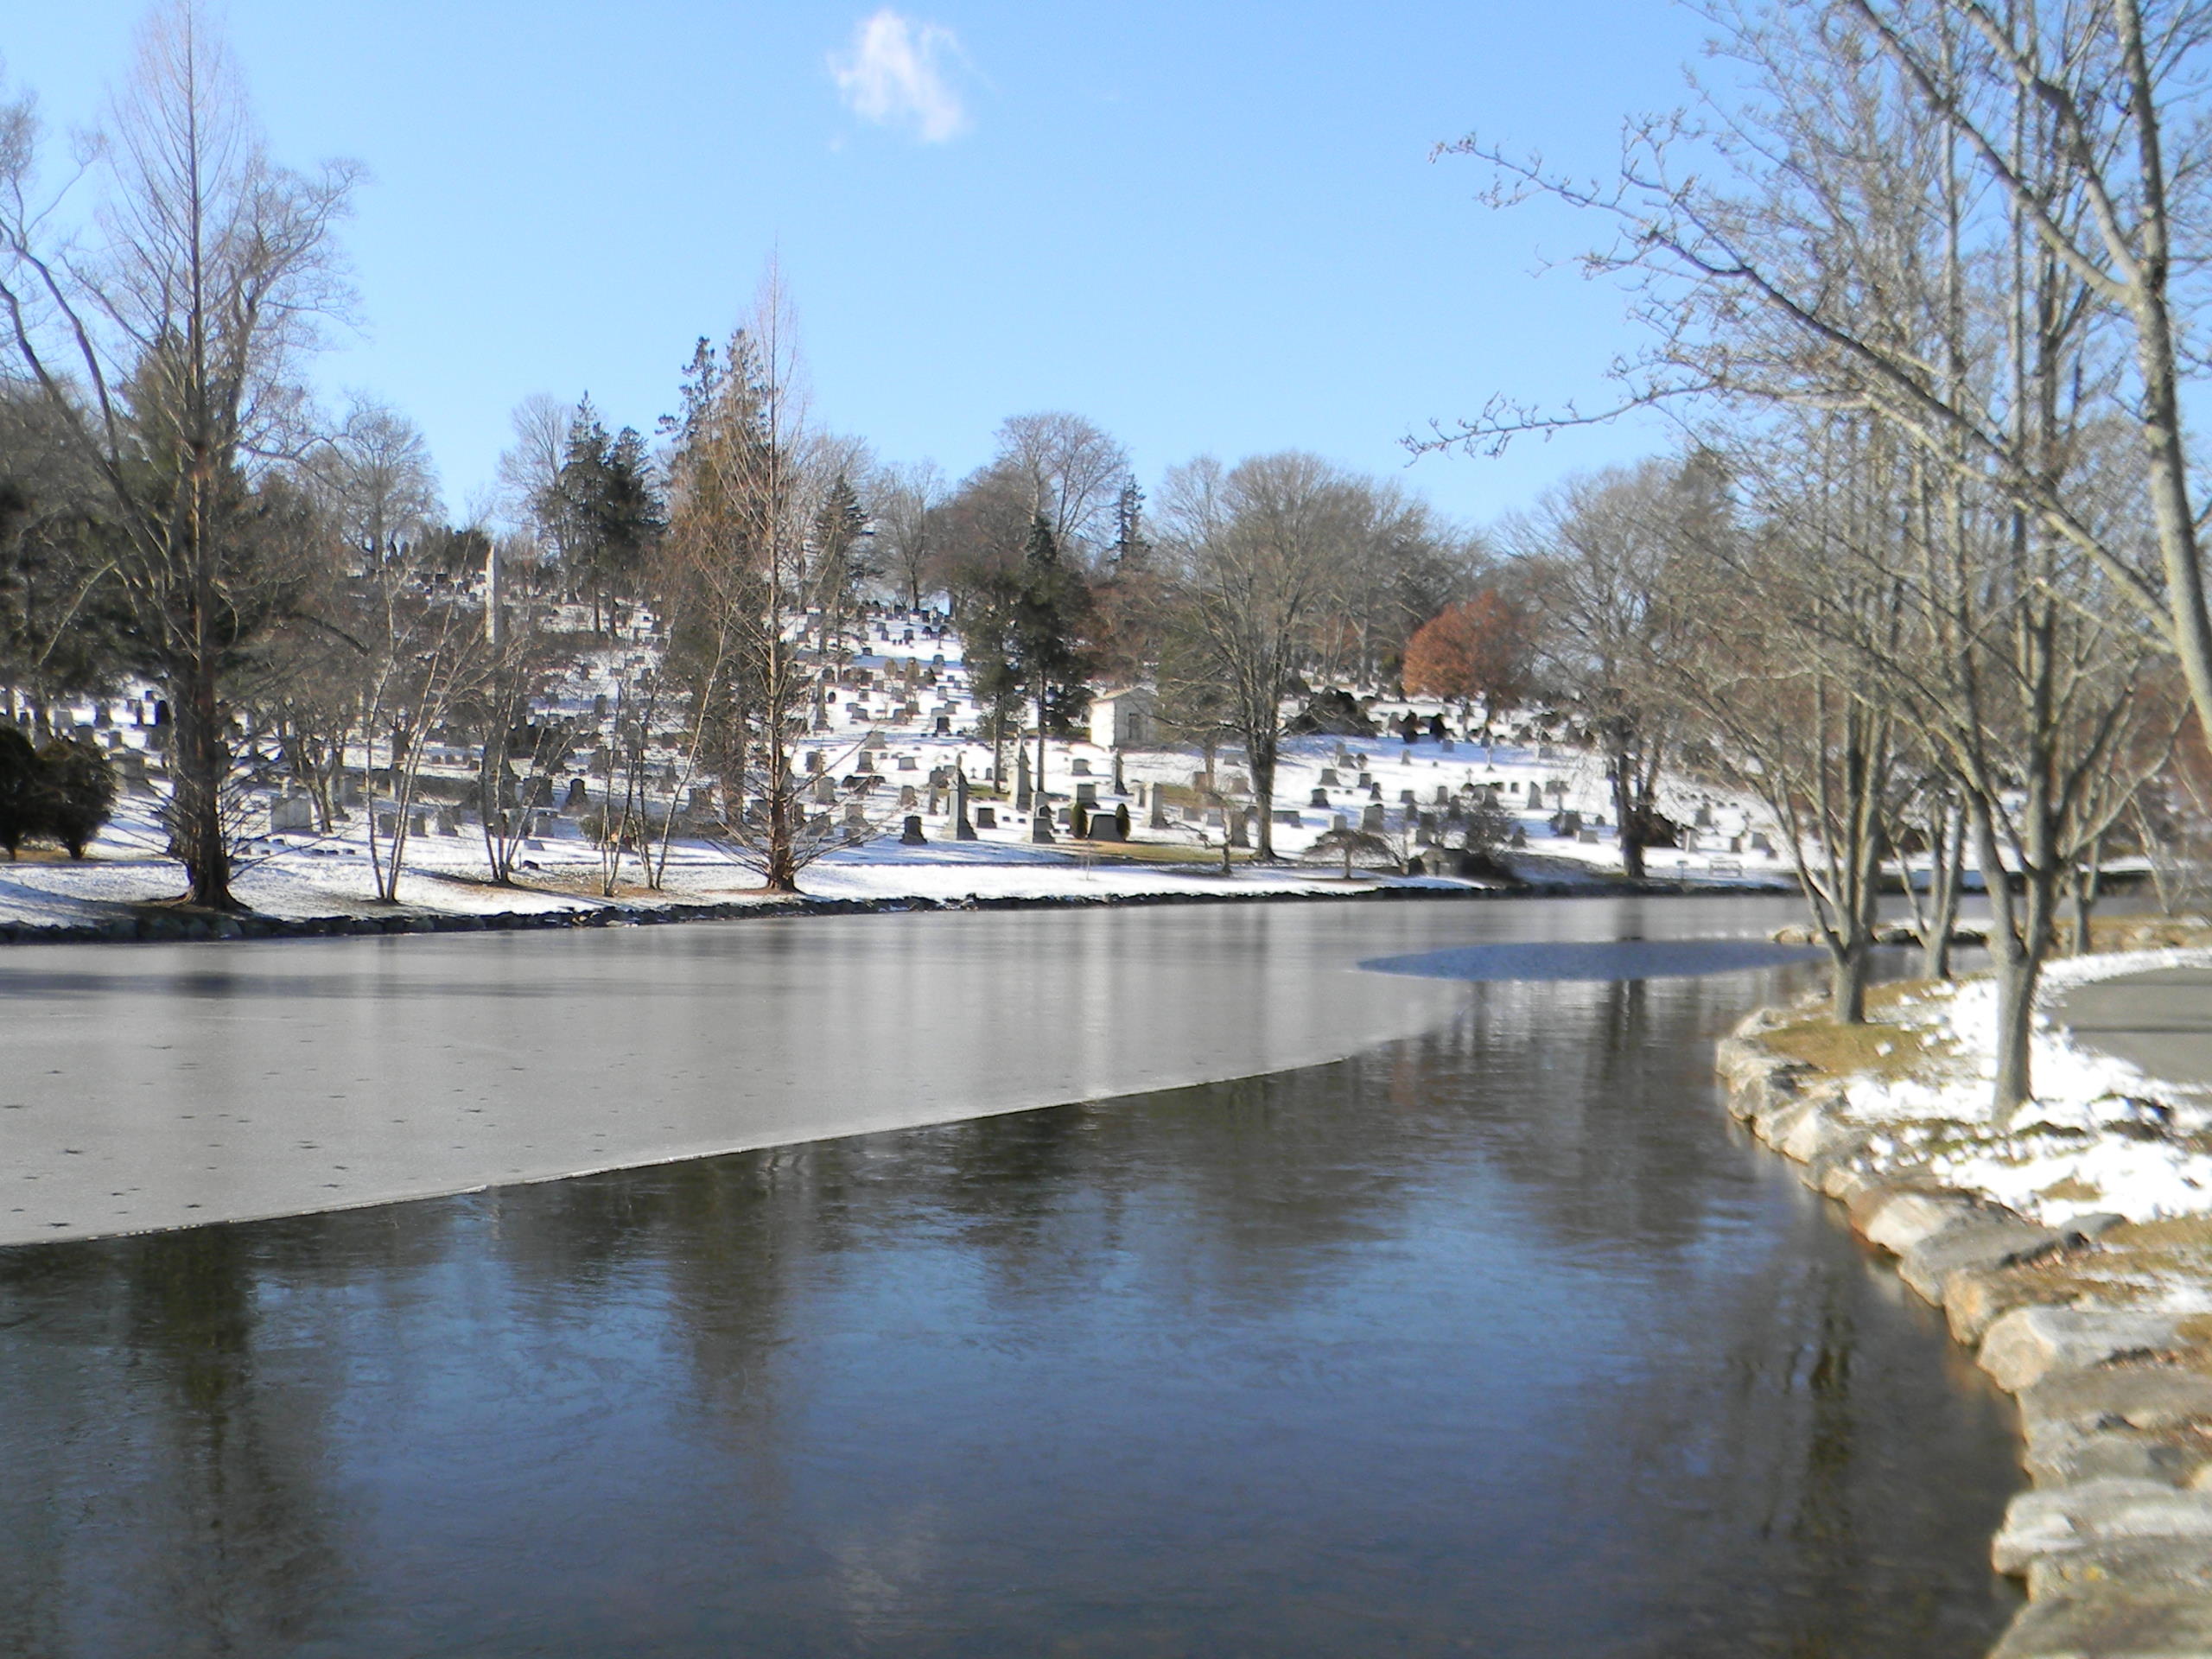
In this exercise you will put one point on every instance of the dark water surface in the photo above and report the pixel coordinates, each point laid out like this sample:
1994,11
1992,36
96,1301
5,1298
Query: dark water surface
1498,1340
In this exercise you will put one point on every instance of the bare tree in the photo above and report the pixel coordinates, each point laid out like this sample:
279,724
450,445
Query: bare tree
169,348
743,501
374,478
1597,550
1255,548
1759,652
1074,474
2053,151
907,499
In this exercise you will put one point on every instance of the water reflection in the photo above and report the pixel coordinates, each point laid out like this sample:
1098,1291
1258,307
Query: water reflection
1493,1341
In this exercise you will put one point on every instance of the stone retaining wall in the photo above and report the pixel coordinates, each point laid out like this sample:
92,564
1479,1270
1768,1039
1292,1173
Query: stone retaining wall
2115,1538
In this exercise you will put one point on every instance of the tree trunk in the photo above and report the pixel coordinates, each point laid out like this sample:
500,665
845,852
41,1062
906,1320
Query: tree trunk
1262,757
2016,996
1946,876
1625,814
199,761
1849,966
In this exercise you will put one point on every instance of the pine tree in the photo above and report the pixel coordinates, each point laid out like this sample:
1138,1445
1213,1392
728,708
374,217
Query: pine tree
1045,641
607,512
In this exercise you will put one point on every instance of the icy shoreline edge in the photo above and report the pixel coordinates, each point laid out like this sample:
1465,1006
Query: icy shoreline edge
2115,1406
158,923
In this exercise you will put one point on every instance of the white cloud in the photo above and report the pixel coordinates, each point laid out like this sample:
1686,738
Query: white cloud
895,76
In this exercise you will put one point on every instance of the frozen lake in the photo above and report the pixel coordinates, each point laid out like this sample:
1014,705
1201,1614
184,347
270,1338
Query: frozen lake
1495,1338
156,1086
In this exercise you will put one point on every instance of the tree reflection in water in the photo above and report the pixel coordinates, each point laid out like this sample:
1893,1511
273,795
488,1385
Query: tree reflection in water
1498,1340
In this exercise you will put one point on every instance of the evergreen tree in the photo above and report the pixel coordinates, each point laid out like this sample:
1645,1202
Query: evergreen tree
838,533
1045,640
607,512
76,792
20,791
1131,552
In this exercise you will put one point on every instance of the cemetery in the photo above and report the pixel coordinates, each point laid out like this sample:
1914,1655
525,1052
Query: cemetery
912,803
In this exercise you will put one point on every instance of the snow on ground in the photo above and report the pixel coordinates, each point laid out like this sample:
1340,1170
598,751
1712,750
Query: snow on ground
916,683
2099,1137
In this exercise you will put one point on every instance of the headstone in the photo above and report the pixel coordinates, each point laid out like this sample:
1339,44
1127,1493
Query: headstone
908,798
1370,819
855,812
1041,827
1443,795
1341,821
289,814
813,762
1240,834
1373,790
1328,777
1704,817
1022,793
1156,817
987,817
907,763
962,829
825,789
448,820
1405,797
1120,779
1290,816
1320,799
911,834
1087,794
944,726
1518,838
599,707
1587,838
1079,766
1366,779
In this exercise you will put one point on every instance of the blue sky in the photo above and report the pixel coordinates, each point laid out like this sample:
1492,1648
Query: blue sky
1208,228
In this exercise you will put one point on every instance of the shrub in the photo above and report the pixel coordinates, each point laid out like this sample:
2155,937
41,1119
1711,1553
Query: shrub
20,793
76,791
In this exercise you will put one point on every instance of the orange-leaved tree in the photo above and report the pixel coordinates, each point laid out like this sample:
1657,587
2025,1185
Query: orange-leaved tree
1480,651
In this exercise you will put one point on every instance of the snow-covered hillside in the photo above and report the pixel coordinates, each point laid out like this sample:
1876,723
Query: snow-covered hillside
903,716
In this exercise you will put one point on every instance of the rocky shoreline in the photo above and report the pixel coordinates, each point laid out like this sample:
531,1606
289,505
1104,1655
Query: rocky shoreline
169,922
2114,1537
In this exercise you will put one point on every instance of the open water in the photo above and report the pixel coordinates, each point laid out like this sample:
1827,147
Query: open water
1495,1339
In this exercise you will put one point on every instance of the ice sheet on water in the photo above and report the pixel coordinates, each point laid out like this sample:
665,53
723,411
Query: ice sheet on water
1606,960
